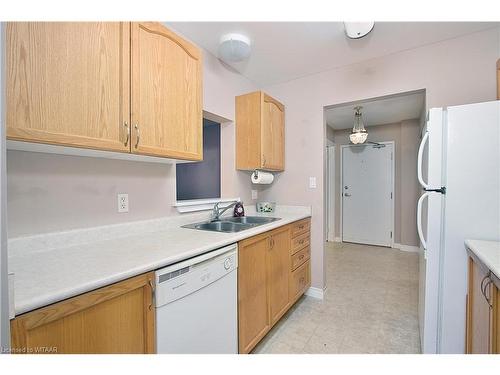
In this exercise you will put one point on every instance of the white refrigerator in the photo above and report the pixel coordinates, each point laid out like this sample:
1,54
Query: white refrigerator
459,171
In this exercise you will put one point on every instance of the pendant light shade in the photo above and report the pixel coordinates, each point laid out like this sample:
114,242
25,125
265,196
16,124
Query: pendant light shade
359,133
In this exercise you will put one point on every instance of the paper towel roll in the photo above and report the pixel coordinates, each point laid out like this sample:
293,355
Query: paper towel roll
259,177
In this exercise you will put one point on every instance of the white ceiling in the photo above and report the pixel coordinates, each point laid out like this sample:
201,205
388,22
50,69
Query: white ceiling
387,110
283,51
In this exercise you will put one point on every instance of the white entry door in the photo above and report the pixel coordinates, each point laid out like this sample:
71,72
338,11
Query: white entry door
367,194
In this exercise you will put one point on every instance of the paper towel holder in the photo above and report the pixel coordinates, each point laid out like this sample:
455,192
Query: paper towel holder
255,175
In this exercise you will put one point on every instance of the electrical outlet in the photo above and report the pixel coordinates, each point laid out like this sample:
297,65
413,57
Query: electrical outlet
312,182
255,194
122,202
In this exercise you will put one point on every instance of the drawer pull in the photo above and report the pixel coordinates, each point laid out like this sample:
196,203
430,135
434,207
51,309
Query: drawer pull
301,257
301,227
301,242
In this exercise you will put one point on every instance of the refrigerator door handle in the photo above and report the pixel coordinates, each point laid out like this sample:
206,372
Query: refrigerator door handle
425,138
419,220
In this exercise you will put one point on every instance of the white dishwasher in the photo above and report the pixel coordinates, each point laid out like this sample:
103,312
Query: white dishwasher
196,304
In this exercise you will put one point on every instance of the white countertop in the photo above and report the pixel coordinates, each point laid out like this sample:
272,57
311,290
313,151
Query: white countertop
51,267
488,252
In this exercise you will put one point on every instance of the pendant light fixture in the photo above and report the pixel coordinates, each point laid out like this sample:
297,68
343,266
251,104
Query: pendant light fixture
359,133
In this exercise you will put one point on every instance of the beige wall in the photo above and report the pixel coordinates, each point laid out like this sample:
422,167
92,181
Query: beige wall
456,71
405,136
53,192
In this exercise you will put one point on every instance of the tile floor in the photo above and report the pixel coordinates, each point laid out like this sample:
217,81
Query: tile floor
370,306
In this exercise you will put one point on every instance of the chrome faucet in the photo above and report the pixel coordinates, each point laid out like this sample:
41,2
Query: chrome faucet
216,211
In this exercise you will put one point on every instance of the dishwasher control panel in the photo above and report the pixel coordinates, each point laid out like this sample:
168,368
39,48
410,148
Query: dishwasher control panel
177,281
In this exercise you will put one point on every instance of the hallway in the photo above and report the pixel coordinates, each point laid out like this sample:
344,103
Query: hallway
370,306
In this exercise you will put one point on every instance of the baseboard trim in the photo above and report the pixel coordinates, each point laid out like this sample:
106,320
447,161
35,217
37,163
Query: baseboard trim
315,292
407,248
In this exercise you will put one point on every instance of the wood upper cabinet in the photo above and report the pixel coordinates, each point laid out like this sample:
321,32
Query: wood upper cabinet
483,314
498,79
260,132
253,305
115,319
278,272
166,94
67,83
129,87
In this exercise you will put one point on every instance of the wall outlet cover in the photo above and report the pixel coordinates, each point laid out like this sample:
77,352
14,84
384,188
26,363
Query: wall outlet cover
122,203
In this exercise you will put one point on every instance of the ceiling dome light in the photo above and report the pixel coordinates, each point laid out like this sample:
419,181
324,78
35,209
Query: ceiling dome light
359,133
234,47
356,30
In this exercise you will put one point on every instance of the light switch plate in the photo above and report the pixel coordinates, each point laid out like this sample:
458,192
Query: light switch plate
312,182
255,194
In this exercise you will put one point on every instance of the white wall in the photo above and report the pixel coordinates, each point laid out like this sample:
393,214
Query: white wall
54,192
456,71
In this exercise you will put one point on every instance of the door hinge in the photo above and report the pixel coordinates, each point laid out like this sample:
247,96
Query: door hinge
391,194
391,233
391,155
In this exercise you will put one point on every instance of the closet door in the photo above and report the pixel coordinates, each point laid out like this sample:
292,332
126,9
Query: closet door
166,94
68,83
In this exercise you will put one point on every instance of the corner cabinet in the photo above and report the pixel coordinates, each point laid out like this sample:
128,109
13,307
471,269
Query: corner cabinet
260,132
123,87
118,318
273,272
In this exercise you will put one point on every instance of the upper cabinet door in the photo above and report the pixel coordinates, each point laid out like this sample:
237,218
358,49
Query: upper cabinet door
166,94
273,134
260,132
68,83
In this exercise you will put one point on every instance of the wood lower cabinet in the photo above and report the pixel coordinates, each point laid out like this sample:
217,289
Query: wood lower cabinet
126,87
279,273
115,319
68,83
260,132
483,311
253,292
270,280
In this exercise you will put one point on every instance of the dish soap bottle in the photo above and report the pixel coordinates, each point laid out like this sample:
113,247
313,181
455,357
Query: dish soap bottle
238,210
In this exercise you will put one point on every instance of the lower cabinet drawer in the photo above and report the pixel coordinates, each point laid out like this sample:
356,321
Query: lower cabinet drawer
300,281
301,226
300,257
300,242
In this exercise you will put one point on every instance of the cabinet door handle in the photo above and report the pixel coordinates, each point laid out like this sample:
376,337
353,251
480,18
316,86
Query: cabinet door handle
153,294
127,129
486,295
136,126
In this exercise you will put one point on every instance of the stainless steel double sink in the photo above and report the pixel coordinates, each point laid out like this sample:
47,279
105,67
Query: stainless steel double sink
232,224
